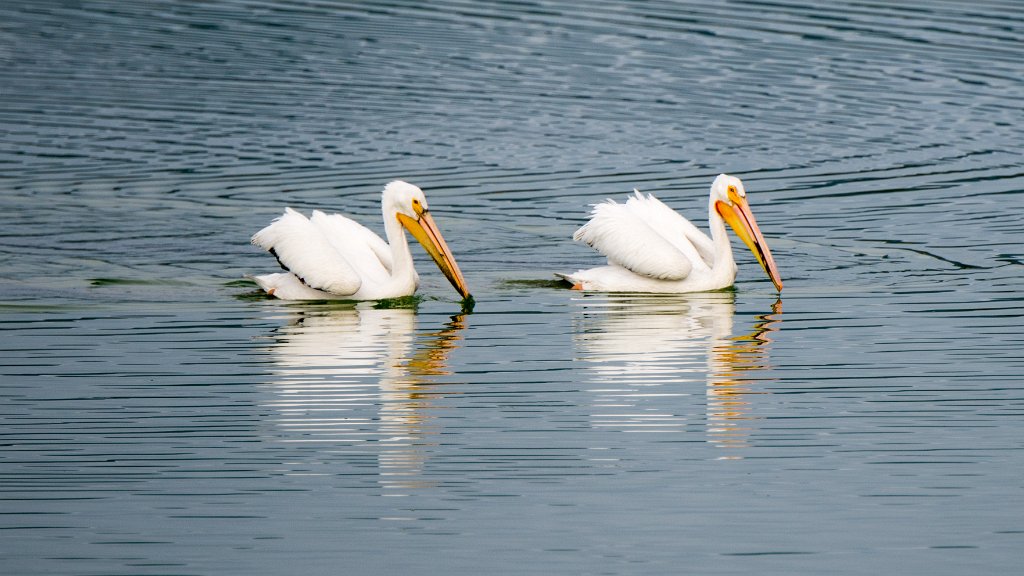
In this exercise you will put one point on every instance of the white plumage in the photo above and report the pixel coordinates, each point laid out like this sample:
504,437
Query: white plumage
652,248
303,248
329,256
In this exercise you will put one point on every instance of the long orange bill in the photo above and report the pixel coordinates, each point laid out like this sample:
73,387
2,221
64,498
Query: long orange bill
426,232
742,221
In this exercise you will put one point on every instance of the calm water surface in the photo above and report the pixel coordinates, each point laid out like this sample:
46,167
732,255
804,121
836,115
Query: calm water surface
160,417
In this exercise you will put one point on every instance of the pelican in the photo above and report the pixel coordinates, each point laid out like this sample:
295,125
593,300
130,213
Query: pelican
333,257
652,248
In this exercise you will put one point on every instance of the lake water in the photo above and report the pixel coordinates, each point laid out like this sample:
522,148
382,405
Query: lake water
158,416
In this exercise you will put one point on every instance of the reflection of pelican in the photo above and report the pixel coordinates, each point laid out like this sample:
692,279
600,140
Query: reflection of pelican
644,348
350,377
652,248
431,358
332,257
729,364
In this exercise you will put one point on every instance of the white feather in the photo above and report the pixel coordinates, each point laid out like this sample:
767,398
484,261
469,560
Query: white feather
286,286
366,252
305,251
674,227
628,240
614,278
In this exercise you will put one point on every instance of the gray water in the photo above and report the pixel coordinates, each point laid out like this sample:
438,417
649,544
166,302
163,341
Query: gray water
159,416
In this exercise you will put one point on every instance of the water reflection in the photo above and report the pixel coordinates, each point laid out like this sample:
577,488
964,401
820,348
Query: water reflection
734,365
347,378
645,353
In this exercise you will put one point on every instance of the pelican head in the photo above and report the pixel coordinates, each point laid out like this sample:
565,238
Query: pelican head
730,201
409,205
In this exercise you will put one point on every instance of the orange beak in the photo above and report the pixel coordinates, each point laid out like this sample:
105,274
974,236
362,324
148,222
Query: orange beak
742,220
426,232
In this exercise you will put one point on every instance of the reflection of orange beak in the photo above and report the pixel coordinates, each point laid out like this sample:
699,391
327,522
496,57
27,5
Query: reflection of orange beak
742,221
426,232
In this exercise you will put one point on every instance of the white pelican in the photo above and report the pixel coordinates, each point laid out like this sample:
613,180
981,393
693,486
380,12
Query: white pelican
332,257
652,248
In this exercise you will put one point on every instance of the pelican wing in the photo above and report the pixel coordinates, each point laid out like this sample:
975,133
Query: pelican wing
627,238
675,228
366,252
305,251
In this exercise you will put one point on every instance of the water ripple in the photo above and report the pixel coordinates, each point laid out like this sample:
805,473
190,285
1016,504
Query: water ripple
160,416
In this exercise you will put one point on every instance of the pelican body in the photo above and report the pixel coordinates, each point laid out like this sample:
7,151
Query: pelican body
331,257
652,248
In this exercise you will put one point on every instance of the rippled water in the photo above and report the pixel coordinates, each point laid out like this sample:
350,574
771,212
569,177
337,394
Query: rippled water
159,417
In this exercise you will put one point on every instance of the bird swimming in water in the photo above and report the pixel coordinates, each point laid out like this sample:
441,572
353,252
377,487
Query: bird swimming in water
331,257
652,248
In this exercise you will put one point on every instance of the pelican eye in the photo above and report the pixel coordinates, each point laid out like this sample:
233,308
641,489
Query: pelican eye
732,189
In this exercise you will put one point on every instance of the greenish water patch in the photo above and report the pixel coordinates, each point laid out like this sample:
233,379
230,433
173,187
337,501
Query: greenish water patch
254,295
402,302
135,282
13,307
536,283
